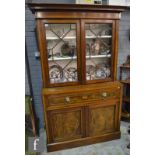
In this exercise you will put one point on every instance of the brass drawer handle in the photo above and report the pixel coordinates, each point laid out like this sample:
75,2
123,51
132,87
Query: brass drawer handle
67,99
84,97
104,94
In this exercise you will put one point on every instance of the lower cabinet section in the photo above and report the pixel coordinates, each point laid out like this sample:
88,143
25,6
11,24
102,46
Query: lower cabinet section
74,124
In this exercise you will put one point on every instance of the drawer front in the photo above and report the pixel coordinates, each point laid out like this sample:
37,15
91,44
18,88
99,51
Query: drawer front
74,98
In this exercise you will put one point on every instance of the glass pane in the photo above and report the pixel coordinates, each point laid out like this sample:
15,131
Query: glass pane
98,51
61,48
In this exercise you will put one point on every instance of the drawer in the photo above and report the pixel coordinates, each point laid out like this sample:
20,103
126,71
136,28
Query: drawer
83,97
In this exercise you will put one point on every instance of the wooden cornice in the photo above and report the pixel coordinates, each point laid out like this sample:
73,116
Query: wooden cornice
44,7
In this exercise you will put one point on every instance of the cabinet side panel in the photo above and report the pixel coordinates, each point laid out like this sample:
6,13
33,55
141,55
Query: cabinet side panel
43,54
116,49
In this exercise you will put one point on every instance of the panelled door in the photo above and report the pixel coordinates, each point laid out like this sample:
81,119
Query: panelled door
60,45
66,124
98,52
102,118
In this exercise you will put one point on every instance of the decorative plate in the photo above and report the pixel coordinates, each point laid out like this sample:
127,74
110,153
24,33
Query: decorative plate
56,73
99,73
102,71
71,74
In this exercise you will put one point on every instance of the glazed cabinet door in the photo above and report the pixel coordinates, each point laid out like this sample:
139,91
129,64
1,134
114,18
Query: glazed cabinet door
98,42
102,118
65,124
59,47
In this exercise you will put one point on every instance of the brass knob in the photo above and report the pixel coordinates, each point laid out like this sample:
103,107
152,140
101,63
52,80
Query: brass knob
104,94
84,97
67,99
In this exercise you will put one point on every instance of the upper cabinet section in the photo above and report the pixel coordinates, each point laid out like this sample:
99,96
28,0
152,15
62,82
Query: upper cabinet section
77,43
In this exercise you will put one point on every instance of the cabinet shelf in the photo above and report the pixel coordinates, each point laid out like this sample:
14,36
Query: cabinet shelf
74,37
75,57
62,58
99,56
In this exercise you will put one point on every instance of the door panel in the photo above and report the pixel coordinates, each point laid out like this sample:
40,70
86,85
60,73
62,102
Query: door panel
66,124
102,119
98,50
61,52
